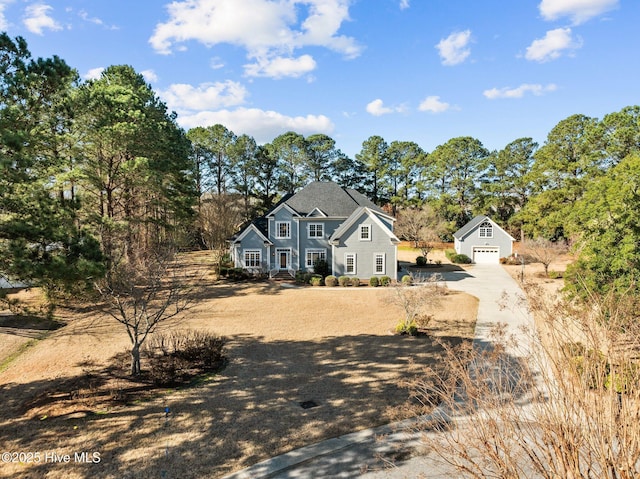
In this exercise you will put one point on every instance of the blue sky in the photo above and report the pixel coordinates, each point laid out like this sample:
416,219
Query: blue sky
418,70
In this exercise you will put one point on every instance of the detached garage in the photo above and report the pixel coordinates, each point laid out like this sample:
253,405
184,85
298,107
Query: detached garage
483,240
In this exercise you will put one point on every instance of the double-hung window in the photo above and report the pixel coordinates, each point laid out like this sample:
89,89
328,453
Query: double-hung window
486,230
314,255
283,229
316,230
365,232
350,263
378,263
252,258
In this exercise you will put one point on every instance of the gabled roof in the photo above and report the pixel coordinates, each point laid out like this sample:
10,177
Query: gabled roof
374,215
252,227
474,223
330,198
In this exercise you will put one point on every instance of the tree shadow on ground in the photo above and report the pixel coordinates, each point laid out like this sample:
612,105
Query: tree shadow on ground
28,326
248,412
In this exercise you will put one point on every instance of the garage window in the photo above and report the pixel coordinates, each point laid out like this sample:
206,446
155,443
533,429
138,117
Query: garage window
486,230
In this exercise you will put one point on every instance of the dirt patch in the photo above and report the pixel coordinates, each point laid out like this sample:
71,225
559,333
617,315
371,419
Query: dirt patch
287,346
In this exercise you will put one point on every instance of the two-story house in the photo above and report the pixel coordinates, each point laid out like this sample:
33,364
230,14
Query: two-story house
323,221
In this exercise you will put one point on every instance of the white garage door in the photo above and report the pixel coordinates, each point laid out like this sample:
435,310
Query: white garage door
487,254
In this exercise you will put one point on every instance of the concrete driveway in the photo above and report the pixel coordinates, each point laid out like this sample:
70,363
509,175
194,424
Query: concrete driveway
352,455
501,301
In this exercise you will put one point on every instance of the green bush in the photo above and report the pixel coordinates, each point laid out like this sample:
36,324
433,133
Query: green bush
450,253
385,281
406,279
421,261
304,277
316,280
373,281
331,281
403,328
355,281
321,267
460,259
344,281
555,274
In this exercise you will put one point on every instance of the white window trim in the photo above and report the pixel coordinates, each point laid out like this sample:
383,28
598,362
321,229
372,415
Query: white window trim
313,250
251,251
485,227
360,227
277,232
317,225
375,263
346,263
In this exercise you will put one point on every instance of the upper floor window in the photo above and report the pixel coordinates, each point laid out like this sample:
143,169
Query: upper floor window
486,230
365,232
316,230
283,229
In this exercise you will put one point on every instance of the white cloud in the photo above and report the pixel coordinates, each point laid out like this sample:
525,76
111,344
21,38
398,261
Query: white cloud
579,11
404,4
519,92
4,24
262,125
453,49
434,105
84,15
280,67
377,108
182,97
37,19
268,30
552,45
216,63
149,75
93,74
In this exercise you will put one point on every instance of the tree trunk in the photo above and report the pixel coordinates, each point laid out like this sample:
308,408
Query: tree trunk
135,360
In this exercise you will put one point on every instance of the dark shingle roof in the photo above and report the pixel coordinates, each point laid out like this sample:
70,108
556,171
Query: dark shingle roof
329,198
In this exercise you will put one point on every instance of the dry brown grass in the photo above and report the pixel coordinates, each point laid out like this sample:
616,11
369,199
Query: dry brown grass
286,345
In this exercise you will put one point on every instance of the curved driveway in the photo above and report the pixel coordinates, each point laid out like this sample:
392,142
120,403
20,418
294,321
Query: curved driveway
348,456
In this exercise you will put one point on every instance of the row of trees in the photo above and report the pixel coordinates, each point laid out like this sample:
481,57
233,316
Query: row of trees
93,174
523,186
98,172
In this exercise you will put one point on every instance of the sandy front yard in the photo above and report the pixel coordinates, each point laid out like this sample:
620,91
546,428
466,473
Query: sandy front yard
286,345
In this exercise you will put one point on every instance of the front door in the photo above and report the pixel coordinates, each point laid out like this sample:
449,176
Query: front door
284,261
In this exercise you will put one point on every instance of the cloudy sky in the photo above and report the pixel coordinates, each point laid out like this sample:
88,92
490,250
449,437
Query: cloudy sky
419,70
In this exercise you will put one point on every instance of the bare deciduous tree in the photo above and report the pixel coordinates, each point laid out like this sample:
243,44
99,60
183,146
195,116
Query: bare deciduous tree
422,226
544,251
218,218
143,295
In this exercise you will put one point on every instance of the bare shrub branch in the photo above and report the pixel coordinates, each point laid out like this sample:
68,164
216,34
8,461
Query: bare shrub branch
417,302
569,407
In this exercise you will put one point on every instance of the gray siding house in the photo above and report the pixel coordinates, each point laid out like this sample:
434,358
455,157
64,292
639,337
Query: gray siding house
320,222
483,240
